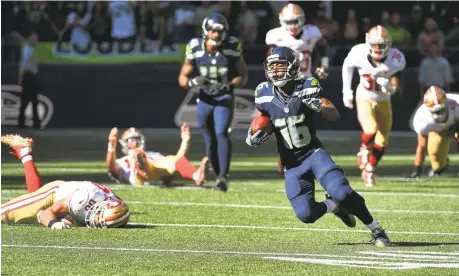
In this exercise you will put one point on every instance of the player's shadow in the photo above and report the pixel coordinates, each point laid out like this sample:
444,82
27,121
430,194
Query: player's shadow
405,244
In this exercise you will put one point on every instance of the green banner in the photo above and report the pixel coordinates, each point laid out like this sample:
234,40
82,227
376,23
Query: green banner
63,52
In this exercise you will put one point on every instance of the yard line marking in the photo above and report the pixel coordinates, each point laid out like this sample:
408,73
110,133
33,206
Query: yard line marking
219,252
288,228
416,256
398,194
252,206
419,252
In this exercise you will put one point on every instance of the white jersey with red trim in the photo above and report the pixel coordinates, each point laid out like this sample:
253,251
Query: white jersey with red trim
359,58
304,45
127,168
423,121
83,194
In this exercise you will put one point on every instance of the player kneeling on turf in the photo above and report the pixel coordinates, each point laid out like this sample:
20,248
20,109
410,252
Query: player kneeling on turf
139,167
290,104
60,203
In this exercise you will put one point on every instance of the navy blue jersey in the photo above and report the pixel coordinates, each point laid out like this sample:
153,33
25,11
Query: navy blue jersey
218,67
293,120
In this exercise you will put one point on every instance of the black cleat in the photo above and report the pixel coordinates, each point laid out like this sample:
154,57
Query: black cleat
221,184
379,238
343,214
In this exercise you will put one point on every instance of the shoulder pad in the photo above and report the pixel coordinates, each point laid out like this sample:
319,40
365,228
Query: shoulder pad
312,82
259,91
233,47
397,58
192,47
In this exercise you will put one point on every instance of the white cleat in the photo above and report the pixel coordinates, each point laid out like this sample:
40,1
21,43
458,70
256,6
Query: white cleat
368,176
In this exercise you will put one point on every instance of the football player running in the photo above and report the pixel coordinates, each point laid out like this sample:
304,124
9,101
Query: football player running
140,167
291,105
435,122
217,59
59,204
379,66
303,39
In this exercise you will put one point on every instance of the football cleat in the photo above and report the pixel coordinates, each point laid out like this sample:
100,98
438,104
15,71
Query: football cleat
21,146
379,238
363,156
200,176
368,176
439,172
221,184
343,214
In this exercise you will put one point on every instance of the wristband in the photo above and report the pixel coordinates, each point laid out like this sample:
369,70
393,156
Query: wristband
184,145
110,148
51,222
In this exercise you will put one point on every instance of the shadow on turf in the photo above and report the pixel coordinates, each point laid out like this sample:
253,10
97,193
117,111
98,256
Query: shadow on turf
406,244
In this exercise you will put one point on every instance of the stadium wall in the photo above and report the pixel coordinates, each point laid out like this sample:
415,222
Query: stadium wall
147,95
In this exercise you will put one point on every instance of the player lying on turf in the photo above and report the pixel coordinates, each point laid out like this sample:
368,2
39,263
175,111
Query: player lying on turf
139,167
58,204
291,105
435,122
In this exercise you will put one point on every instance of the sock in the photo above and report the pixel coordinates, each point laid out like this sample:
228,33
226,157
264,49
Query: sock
33,179
185,168
355,204
373,225
224,153
331,205
367,138
376,155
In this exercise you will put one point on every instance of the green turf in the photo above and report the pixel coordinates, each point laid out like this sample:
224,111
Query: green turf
251,230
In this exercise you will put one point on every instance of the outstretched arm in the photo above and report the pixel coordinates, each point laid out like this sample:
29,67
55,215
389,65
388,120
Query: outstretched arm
110,159
51,216
186,136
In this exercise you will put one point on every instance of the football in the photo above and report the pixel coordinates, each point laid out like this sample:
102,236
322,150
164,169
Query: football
263,123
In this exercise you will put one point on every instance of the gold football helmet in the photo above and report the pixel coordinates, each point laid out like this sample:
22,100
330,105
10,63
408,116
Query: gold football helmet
292,18
379,41
108,214
437,103
129,136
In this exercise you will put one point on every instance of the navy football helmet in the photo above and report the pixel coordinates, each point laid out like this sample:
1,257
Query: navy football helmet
281,60
215,22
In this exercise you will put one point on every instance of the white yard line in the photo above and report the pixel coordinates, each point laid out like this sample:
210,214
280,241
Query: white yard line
288,228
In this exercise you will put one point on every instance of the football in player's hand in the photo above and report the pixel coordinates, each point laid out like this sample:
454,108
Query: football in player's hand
261,122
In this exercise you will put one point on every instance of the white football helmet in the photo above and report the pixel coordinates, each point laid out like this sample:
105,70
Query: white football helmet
108,214
132,134
292,18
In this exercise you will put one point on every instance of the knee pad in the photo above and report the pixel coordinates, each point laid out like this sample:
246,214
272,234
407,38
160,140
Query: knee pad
336,184
308,214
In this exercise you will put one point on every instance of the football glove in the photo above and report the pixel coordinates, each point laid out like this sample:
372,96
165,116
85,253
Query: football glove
348,98
314,104
254,140
322,72
386,86
198,81
59,225
220,88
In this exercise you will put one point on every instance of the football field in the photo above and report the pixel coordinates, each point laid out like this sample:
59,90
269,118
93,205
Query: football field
250,230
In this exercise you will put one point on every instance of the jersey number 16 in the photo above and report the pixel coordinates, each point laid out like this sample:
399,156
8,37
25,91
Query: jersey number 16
294,136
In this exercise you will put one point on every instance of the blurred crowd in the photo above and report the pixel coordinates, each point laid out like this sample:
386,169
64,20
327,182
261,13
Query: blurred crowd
167,22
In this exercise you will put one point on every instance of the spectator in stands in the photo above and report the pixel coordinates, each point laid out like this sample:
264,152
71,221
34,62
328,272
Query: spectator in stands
430,35
28,79
184,19
37,18
416,23
123,20
399,34
266,18
77,21
99,27
153,24
351,28
246,25
385,19
435,70
365,27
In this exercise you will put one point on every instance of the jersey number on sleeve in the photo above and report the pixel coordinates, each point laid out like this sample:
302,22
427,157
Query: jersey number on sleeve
294,136
368,82
214,73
